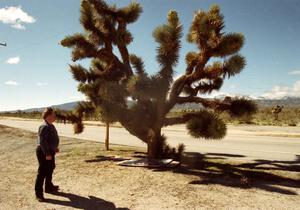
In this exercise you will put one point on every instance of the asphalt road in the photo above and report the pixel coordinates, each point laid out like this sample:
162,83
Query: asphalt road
241,142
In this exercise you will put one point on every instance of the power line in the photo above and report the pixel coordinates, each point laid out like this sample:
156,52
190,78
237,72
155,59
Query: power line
40,42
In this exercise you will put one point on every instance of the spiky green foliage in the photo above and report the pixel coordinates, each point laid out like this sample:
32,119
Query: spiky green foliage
82,47
71,117
206,125
191,57
138,65
115,74
240,107
174,153
168,37
81,74
229,44
131,13
210,86
234,65
205,30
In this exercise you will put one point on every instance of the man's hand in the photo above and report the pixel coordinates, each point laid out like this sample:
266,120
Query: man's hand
48,157
57,150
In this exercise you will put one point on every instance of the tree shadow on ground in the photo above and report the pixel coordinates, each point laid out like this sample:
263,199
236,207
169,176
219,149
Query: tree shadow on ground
237,175
101,158
225,155
275,164
79,202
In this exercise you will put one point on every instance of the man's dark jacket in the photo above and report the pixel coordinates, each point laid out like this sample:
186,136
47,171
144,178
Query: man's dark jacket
48,138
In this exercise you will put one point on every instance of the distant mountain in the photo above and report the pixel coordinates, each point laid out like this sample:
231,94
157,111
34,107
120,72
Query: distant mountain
287,101
66,107
261,102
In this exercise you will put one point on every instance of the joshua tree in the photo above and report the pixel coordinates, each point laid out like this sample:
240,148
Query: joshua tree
116,75
276,110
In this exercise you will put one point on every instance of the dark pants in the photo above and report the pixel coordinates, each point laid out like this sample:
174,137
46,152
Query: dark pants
45,171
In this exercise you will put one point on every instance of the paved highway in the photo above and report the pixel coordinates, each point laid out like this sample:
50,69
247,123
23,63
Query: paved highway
241,142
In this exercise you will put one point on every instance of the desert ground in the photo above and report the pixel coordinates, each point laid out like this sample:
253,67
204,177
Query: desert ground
252,168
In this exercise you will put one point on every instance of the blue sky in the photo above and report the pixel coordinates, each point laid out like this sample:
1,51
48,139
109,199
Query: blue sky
34,67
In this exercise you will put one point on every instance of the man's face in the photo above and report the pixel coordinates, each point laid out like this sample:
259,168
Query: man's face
51,118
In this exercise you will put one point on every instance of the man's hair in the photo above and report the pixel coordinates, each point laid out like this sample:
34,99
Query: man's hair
48,111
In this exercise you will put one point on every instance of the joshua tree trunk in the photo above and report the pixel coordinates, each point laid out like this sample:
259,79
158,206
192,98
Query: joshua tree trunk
107,136
155,144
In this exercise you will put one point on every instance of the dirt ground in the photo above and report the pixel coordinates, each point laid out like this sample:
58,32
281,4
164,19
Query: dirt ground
90,179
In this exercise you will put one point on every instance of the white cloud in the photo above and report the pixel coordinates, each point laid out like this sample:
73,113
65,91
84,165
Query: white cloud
297,72
278,91
13,83
14,60
15,17
18,26
218,94
41,83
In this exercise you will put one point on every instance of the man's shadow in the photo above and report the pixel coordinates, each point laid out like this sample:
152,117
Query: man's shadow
79,202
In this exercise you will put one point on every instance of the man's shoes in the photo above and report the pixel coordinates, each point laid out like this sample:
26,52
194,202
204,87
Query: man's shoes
52,189
40,197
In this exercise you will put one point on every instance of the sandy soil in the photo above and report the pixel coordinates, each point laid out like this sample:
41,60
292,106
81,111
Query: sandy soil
90,179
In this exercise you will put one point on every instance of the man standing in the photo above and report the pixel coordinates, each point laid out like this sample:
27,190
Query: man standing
47,147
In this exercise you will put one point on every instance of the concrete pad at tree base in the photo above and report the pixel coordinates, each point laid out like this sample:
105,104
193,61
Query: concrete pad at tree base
144,162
